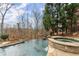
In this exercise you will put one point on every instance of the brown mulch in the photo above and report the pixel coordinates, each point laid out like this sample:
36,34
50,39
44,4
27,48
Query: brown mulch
74,35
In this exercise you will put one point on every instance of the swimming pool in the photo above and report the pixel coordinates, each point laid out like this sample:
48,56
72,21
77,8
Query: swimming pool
28,48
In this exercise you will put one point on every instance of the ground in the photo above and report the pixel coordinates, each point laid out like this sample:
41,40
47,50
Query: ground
75,35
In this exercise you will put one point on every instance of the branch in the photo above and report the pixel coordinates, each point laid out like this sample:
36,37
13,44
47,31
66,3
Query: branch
1,13
7,8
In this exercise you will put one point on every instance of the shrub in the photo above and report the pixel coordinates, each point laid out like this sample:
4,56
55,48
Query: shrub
4,36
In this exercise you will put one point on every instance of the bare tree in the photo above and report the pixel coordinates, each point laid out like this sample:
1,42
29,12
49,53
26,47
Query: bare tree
37,17
27,19
4,7
21,23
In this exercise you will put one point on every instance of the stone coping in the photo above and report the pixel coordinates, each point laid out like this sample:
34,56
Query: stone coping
8,43
75,44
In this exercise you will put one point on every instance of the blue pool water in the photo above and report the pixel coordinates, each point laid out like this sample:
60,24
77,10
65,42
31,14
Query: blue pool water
28,48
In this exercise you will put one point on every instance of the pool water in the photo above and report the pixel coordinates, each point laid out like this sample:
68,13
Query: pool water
28,48
66,39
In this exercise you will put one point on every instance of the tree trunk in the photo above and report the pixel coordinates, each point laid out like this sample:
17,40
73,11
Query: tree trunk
62,29
66,30
71,26
2,24
76,27
53,31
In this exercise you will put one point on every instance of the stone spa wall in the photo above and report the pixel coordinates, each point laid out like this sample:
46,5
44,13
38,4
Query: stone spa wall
58,48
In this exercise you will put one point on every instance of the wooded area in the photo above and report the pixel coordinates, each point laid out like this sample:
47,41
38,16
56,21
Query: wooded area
23,29
61,18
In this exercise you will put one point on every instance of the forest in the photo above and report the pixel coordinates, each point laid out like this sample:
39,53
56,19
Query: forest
62,18
55,19
24,27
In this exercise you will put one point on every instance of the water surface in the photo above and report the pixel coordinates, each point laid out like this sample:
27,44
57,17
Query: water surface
28,48
67,39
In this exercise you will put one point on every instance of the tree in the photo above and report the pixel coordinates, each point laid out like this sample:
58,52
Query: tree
48,18
52,16
60,16
37,17
71,9
4,7
63,18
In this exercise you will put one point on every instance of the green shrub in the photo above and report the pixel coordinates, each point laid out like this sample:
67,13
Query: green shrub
4,36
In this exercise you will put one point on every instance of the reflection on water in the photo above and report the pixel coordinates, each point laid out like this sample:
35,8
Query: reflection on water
28,48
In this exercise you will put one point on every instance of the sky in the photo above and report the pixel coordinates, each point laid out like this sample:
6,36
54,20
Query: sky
13,15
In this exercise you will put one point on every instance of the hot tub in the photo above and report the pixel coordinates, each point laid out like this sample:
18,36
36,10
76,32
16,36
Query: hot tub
59,45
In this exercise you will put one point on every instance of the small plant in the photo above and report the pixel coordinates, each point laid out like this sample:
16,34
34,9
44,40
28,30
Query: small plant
4,36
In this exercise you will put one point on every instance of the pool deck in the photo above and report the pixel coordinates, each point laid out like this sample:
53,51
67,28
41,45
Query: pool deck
9,43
